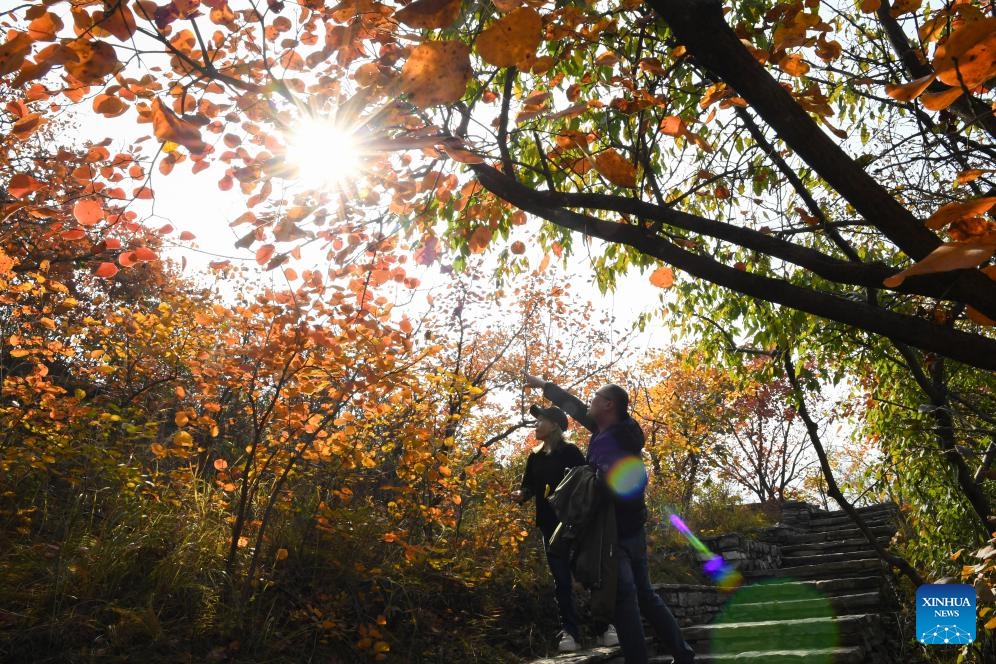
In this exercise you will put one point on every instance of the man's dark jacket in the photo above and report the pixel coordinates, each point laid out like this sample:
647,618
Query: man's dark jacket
588,528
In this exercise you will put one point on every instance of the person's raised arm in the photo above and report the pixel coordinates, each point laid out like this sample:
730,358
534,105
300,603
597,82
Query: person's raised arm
563,399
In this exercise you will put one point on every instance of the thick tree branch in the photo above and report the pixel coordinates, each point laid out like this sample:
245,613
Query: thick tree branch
974,350
702,29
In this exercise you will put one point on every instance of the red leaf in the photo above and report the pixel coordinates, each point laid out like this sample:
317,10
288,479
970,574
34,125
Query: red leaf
145,254
73,234
21,185
106,270
187,235
88,212
127,259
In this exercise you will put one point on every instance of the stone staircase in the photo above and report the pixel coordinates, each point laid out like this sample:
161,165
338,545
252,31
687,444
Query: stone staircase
814,592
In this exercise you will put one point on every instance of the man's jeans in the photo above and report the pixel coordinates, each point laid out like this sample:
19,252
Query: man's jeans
635,595
561,569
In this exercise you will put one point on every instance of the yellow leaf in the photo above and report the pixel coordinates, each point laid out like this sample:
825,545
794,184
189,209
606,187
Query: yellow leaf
437,72
513,40
969,55
969,175
662,277
948,256
616,169
938,101
900,7
991,624
912,90
794,65
429,14
959,210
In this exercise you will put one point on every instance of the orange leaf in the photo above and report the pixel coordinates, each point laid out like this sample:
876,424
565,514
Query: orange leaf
264,253
95,61
794,65
21,185
127,259
437,72
662,277
88,211
167,126
948,256
616,169
106,270
518,247
187,235
45,28
969,55
938,101
110,106
479,239
513,40
969,175
672,125
13,52
959,210
282,554
429,14
870,6
220,464
912,90
27,125
120,23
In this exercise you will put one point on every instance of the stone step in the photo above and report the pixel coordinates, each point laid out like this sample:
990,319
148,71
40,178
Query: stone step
873,512
852,655
772,635
844,568
869,510
776,608
813,548
850,585
807,537
820,558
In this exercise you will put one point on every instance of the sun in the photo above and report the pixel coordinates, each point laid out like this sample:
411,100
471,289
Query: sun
323,153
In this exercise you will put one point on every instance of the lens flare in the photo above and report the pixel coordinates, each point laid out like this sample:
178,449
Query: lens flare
627,478
725,575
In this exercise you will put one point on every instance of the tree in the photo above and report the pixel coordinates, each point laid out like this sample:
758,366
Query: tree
830,161
765,449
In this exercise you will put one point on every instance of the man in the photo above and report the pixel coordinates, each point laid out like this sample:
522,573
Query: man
615,446
545,467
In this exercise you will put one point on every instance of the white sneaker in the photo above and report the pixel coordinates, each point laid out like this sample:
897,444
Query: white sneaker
609,637
567,643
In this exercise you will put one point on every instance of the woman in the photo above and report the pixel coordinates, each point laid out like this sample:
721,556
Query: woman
545,467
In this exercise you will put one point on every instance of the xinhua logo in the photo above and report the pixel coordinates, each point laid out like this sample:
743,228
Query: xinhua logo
945,613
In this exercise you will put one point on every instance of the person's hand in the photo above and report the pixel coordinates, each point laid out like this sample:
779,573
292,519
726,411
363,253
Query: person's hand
533,381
